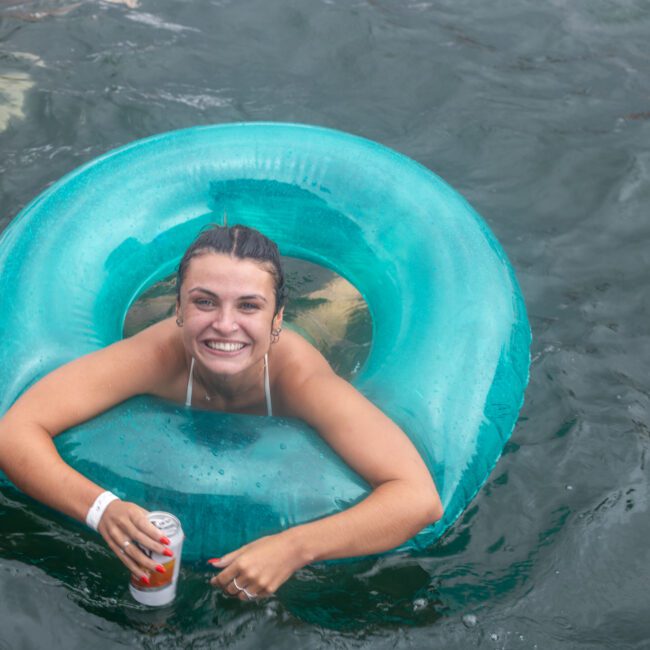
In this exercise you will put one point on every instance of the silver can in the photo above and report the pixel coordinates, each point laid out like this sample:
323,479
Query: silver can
162,588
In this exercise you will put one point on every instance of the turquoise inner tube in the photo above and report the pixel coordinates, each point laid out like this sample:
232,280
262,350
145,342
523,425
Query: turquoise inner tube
450,348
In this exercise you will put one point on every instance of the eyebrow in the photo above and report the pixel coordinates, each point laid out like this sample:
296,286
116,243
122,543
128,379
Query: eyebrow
216,295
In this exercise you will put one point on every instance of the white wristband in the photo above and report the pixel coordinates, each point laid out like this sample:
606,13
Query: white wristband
96,511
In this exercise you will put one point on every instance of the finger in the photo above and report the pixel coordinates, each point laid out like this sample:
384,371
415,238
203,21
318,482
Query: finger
131,556
226,560
126,548
247,592
238,588
229,568
143,580
144,559
232,588
225,578
253,592
145,541
132,565
139,528
249,595
141,521
244,589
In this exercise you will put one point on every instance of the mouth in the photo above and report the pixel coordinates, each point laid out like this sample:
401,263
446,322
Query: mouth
224,347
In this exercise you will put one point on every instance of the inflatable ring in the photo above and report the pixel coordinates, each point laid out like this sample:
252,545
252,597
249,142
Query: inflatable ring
450,348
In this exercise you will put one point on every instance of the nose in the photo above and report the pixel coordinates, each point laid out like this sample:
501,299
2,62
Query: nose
225,320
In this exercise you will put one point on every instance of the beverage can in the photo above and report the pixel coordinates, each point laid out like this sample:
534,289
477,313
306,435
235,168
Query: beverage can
162,588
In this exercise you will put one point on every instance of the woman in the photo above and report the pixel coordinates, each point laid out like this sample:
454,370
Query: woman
224,351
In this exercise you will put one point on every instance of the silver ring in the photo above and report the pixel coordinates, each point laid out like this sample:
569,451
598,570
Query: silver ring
237,587
249,595
127,543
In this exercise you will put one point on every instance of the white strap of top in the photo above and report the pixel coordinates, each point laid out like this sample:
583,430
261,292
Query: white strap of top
188,394
267,386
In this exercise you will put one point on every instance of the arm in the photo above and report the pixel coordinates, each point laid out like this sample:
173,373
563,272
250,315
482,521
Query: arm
66,397
404,498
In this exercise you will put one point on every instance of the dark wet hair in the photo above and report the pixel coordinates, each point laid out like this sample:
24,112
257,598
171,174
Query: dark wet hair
242,242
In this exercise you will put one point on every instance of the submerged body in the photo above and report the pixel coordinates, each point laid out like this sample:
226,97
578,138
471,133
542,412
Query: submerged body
225,342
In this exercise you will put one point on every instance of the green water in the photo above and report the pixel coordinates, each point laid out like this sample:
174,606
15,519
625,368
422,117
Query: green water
539,113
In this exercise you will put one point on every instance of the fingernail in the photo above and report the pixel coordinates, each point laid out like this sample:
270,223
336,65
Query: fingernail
214,560
145,580
168,552
165,540
160,568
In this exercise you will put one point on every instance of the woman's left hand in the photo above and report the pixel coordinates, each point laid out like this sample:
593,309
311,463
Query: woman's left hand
257,570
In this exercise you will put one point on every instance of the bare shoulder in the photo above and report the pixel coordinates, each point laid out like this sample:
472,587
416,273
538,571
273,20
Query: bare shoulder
293,360
367,440
160,344
304,377
142,364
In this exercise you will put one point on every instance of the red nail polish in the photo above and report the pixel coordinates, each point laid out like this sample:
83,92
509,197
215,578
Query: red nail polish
165,540
214,560
160,568
145,580
168,552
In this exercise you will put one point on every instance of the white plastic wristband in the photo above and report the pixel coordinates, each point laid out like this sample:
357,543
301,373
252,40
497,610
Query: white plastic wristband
96,511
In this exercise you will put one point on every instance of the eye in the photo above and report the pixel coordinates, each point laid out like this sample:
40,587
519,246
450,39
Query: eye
203,302
249,306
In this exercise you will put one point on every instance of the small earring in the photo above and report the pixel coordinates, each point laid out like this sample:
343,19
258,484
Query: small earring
179,321
275,335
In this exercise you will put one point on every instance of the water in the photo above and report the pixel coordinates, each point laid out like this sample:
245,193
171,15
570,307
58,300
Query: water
539,113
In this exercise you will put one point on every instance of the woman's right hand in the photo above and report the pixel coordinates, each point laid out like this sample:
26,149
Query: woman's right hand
124,523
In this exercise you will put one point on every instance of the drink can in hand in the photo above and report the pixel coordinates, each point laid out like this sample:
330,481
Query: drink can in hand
162,587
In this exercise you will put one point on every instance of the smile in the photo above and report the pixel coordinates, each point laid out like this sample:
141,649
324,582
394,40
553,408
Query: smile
224,346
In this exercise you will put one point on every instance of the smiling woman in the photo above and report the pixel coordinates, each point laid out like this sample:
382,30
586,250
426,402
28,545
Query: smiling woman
229,308
224,352
448,364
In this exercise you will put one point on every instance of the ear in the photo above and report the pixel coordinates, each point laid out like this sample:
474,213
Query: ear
277,319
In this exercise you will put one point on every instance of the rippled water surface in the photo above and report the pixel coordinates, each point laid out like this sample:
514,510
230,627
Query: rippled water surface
539,113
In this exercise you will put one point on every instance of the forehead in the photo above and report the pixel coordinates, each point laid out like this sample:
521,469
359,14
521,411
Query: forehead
223,273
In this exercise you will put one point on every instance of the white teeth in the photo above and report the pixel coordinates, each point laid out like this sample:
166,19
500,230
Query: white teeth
224,347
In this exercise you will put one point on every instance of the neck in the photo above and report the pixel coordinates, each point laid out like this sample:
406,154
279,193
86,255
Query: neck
224,391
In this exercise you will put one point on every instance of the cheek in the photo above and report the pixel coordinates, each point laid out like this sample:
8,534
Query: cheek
260,326
195,321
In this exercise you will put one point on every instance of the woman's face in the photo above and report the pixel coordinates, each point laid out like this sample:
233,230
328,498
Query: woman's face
227,307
